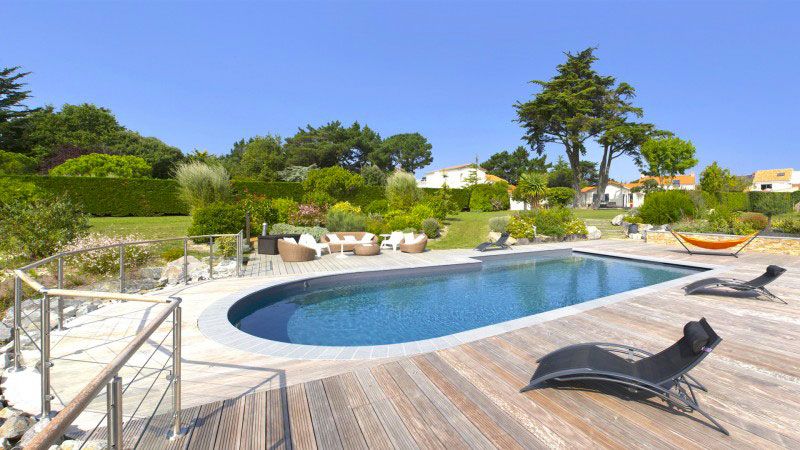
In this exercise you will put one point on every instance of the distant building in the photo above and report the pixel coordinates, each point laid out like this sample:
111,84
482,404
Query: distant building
617,195
776,180
684,182
458,177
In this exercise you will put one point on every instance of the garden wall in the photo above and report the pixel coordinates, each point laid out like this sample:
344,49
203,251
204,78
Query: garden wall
764,244
119,197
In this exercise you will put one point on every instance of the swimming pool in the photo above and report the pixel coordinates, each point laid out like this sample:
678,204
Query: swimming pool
384,308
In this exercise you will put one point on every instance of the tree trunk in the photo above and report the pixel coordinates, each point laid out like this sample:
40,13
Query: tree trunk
573,154
602,179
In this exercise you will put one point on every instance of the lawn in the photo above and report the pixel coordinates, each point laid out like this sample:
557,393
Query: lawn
142,227
468,229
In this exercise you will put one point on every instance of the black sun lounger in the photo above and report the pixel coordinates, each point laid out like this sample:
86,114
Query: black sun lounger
500,244
757,284
664,374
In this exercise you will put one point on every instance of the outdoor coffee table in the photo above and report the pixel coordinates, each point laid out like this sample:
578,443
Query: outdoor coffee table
367,249
341,254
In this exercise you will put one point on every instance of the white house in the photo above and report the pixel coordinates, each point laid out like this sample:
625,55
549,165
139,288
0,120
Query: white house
683,182
459,177
454,177
617,195
776,180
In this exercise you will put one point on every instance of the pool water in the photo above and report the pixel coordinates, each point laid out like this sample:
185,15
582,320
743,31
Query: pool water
413,307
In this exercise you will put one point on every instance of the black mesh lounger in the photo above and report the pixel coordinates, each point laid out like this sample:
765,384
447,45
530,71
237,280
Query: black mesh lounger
757,284
500,244
663,374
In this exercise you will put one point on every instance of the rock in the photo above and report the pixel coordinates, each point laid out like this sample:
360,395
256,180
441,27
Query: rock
151,273
633,229
225,268
523,241
6,444
8,411
5,333
593,233
141,285
173,271
15,426
634,236
617,220
94,444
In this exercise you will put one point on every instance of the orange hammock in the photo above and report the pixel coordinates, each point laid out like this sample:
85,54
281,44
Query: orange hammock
715,244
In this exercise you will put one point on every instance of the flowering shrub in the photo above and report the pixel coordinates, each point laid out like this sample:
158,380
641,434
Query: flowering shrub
284,207
346,207
576,226
307,215
521,227
106,260
499,224
754,220
789,224
225,246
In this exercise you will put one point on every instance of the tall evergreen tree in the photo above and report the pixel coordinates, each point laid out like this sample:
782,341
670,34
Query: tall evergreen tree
509,166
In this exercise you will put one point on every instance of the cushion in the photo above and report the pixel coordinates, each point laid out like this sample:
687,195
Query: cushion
333,238
695,336
408,237
416,240
350,238
289,239
367,237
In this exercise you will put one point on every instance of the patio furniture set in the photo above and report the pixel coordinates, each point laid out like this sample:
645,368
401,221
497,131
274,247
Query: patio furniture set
306,248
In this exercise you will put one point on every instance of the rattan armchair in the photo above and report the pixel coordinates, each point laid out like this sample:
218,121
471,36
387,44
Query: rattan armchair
417,247
295,252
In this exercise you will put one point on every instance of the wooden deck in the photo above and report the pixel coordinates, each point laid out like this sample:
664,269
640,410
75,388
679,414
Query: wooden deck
467,396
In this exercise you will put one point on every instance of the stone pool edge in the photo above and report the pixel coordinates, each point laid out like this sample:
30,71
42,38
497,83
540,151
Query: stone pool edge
214,324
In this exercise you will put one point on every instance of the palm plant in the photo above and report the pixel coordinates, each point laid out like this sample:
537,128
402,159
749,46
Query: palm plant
531,188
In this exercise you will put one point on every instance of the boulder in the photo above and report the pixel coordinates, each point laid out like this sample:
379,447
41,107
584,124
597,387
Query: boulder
634,236
94,444
617,220
15,426
8,411
173,271
5,333
151,273
593,233
225,268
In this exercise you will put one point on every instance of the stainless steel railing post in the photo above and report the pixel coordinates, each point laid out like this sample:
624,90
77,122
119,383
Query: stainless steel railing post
239,253
122,268
17,323
114,413
211,258
176,373
45,357
185,261
60,302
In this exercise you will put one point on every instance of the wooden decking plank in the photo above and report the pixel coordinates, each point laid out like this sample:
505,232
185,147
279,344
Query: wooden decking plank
490,424
346,423
278,432
413,420
254,422
205,428
301,428
396,431
325,430
230,425
371,427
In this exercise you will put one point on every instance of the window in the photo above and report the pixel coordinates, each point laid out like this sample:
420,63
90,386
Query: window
605,198
676,182
766,187
781,174
423,178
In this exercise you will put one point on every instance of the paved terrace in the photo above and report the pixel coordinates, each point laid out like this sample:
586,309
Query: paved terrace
467,395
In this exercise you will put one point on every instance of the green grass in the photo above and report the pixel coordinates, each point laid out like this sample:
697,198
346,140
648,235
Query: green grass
468,229
144,227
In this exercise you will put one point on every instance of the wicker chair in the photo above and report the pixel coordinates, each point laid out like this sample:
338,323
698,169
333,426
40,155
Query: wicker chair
295,252
417,247
348,247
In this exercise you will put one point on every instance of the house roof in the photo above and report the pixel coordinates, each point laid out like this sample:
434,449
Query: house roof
610,182
460,166
494,179
772,175
663,181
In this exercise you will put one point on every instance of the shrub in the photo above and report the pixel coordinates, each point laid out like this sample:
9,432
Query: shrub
399,220
285,228
735,201
335,181
283,208
373,176
770,203
550,222
344,221
376,225
16,163
320,199
172,253
261,211
576,227
40,227
499,224
377,207
225,246
345,207
559,196
201,184
421,212
13,189
521,227
442,203
402,191
103,165
666,207
430,227
489,197
105,261
307,215
789,224
755,221
217,218
633,219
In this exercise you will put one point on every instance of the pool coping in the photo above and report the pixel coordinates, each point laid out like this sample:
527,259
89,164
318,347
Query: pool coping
214,324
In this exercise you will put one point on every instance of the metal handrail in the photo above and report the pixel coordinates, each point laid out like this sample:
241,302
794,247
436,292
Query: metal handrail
108,378
109,373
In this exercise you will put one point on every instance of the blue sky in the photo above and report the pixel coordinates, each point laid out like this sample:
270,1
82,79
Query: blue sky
203,75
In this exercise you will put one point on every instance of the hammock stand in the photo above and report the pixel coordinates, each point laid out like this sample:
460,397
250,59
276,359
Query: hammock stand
715,245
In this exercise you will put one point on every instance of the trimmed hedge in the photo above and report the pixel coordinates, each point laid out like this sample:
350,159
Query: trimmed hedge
119,197
781,202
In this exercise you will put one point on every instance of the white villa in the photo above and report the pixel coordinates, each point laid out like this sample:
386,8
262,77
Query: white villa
621,195
776,180
458,177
